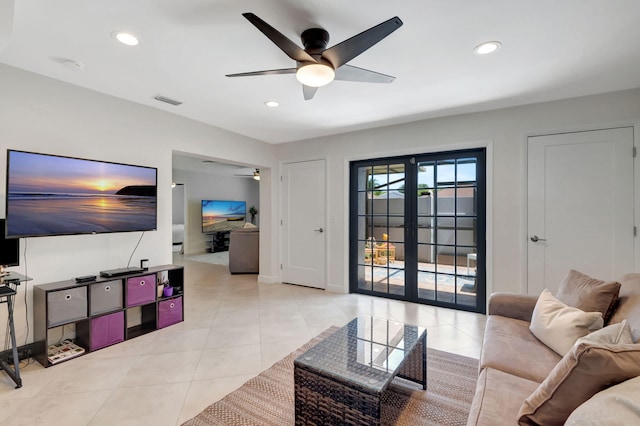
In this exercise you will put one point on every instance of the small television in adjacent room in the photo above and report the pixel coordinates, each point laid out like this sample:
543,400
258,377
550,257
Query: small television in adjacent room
57,195
9,250
222,215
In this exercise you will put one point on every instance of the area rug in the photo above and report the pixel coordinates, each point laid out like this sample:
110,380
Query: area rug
268,399
218,258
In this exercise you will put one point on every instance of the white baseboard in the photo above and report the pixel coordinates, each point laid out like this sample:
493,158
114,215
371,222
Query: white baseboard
268,279
338,288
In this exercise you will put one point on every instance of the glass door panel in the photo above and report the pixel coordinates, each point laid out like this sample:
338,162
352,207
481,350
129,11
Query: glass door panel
453,237
380,229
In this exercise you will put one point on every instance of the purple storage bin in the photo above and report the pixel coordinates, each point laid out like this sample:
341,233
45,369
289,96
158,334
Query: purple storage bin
169,312
107,330
141,290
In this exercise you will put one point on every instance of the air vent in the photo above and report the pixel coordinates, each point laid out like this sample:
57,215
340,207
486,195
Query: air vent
167,100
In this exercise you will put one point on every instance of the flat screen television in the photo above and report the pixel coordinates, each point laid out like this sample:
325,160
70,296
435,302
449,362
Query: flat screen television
9,249
222,215
56,195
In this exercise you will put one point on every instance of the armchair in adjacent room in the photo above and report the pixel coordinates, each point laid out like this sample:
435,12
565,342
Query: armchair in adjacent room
244,251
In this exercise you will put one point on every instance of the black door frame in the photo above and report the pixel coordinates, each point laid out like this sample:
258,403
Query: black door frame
411,228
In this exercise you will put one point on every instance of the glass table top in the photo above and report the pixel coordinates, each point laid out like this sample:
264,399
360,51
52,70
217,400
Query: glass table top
367,352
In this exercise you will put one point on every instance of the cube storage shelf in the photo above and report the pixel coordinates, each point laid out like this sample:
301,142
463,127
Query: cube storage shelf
102,309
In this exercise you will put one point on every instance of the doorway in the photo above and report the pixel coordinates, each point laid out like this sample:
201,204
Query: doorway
178,217
417,228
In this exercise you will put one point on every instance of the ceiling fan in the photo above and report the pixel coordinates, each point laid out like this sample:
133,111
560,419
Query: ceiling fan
316,65
255,174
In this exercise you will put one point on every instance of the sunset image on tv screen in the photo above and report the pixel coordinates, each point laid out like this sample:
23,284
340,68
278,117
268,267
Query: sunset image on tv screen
52,195
221,215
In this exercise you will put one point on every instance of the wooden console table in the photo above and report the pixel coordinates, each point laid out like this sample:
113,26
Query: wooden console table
380,254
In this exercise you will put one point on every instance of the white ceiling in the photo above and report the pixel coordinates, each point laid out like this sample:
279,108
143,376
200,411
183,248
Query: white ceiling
551,49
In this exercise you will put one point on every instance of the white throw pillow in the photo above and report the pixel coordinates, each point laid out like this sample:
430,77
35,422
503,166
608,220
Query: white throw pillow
559,326
614,334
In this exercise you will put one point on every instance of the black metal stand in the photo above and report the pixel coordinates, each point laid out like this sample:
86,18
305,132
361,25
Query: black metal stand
8,289
6,296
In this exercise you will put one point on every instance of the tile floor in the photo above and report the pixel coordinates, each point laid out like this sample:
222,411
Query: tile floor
234,328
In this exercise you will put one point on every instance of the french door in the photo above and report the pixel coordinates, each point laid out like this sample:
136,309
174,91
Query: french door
417,228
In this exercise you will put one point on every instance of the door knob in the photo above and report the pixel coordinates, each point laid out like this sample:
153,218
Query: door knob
321,230
535,239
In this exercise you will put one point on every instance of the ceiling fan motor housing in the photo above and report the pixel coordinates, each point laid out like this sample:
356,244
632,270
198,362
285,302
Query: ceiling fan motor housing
315,40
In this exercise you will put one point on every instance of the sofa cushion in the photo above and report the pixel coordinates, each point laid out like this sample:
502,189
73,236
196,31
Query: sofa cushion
584,371
510,347
589,294
618,405
558,325
628,306
498,397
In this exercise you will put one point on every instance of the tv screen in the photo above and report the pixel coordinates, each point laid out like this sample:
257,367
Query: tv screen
9,249
221,215
55,195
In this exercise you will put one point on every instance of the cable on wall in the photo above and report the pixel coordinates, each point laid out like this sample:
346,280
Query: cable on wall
134,249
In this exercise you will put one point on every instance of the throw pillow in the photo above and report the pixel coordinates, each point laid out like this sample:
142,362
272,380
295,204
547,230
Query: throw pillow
589,294
559,326
249,225
618,405
614,334
584,371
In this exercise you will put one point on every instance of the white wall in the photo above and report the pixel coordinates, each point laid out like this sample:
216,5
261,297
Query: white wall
503,131
44,115
206,186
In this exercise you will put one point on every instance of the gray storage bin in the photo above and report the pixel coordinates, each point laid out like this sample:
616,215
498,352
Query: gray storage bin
105,297
66,305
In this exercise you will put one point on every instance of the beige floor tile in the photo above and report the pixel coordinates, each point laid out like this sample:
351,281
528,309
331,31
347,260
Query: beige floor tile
228,361
448,338
74,409
158,405
179,339
162,368
34,378
232,335
88,374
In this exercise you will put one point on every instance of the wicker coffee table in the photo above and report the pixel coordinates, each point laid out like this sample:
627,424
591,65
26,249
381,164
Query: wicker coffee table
341,380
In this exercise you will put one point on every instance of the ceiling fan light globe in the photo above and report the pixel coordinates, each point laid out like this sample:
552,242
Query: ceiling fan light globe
315,75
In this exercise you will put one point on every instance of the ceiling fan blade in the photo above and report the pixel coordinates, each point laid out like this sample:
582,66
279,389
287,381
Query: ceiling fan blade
264,72
343,52
308,92
351,73
291,49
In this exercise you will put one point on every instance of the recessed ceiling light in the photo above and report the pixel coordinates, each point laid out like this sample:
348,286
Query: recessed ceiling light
126,38
272,104
487,47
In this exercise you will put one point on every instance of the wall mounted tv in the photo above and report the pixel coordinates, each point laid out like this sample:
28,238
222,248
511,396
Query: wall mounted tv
221,215
56,195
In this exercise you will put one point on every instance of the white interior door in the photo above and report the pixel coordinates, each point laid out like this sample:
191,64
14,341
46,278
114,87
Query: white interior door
303,223
580,206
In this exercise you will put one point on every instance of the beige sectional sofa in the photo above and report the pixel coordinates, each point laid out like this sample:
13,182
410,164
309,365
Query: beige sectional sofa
522,381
